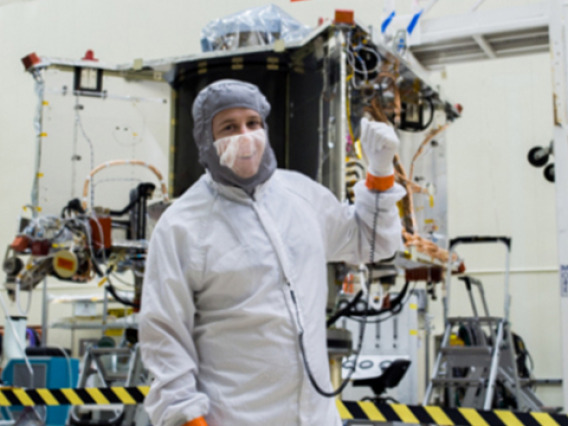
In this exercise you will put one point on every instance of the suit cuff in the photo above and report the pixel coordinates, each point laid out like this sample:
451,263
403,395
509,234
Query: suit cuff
200,421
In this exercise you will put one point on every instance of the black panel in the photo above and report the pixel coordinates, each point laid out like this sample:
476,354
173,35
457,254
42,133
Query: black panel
293,122
304,140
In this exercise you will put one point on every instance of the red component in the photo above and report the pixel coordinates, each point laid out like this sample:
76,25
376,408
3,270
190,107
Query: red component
30,60
386,301
459,107
20,243
40,247
428,274
320,21
89,56
343,16
101,231
66,264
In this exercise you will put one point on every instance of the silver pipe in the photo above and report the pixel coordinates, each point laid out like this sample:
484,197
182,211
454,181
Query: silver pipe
430,387
507,294
38,126
493,369
44,312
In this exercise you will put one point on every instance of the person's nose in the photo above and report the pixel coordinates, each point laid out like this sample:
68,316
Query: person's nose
243,128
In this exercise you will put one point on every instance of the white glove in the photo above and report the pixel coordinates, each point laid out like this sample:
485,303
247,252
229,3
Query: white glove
380,143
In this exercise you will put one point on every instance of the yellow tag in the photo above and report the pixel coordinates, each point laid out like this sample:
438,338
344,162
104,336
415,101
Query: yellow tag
413,332
400,209
358,149
45,103
431,201
413,306
43,134
416,85
101,282
40,175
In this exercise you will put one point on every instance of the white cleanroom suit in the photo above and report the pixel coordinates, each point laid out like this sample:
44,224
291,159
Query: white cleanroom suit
218,328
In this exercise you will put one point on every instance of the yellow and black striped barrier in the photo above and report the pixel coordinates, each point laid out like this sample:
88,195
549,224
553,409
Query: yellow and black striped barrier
100,396
349,410
417,414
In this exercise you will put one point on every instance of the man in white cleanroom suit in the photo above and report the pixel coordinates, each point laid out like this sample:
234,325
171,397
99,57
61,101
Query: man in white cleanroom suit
219,327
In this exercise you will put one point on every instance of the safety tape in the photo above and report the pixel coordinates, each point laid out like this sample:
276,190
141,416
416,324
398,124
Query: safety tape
86,396
417,414
348,410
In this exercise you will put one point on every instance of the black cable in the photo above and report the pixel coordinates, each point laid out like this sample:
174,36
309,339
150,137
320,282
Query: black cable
125,210
331,320
73,205
110,288
144,190
396,306
393,311
96,267
357,318
432,110
361,328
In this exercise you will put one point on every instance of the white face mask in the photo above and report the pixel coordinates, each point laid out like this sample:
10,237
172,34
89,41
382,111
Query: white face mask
242,153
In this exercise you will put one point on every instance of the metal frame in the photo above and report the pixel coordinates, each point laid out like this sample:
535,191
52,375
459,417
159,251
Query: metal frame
559,64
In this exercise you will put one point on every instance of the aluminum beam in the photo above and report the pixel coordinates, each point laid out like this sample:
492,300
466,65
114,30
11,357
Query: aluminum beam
481,35
485,46
559,64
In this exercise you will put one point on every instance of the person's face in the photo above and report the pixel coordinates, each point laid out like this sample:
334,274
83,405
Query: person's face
235,122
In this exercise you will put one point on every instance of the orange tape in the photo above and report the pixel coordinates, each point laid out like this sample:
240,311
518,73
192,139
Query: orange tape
379,183
200,421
